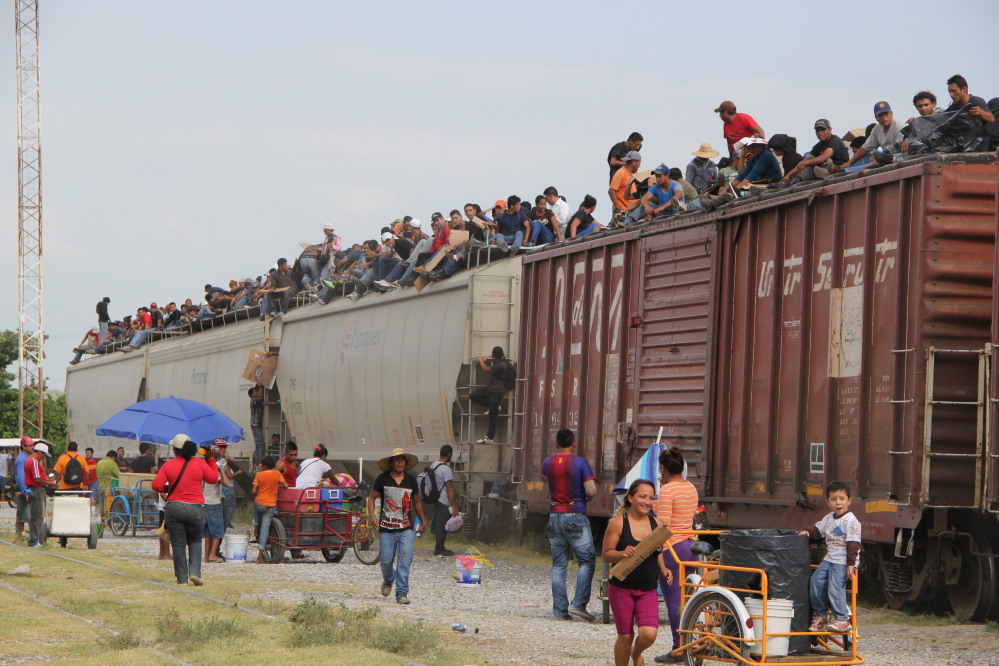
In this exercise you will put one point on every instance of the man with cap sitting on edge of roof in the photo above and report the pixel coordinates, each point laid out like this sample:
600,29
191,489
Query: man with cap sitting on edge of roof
36,479
763,166
886,135
621,187
667,193
87,345
397,493
815,166
737,126
702,172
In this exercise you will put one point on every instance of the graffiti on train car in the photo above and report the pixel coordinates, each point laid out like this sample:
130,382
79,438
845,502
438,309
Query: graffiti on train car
853,270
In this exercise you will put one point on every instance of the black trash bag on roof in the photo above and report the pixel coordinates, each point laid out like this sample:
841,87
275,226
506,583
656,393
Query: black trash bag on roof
784,556
947,132
784,142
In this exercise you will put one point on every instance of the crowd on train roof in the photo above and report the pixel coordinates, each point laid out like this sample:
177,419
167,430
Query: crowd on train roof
408,253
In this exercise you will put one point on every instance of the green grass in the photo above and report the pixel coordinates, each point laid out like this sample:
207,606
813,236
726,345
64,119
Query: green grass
992,627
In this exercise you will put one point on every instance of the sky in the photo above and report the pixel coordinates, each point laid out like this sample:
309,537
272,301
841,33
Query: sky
190,142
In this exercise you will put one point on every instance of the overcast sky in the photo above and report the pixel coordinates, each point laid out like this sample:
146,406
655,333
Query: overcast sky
193,142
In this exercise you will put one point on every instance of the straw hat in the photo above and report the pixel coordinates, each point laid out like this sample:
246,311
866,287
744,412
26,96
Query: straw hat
385,462
705,151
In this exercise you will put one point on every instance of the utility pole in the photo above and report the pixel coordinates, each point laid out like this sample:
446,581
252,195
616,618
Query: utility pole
30,380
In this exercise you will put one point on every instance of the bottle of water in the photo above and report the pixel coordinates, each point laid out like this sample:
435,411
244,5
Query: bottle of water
418,523
464,628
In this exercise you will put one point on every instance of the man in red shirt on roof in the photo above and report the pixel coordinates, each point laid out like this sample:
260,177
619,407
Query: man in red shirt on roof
737,125
572,484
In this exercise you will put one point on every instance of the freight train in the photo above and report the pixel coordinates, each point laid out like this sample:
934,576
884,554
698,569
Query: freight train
839,330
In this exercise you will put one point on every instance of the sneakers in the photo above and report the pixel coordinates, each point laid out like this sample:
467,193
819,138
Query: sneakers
818,622
386,588
485,440
679,205
402,599
354,295
444,553
582,614
668,658
838,626
383,284
196,580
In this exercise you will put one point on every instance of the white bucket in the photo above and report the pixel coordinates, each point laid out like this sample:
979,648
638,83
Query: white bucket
467,578
235,546
779,615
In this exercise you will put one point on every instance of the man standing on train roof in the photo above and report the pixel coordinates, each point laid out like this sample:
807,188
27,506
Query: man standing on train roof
396,493
572,484
615,158
737,126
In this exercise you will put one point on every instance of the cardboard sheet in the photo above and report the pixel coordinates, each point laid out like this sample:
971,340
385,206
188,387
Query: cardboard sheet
647,546
260,368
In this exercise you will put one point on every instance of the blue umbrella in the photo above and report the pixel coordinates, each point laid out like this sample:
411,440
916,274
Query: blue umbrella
157,421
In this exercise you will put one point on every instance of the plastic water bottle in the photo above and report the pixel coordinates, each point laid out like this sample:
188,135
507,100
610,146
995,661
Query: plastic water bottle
464,628
418,523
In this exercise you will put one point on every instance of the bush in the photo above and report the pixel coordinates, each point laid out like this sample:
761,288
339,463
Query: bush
173,630
123,640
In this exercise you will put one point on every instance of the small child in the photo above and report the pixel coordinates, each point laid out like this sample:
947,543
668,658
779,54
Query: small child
265,489
841,531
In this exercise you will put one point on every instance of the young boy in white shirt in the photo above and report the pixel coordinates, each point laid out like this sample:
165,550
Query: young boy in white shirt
841,532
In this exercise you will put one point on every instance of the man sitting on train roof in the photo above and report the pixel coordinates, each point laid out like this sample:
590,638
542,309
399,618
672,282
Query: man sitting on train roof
455,258
510,225
666,194
622,187
374,266
886,138
957,88
762,167
815,166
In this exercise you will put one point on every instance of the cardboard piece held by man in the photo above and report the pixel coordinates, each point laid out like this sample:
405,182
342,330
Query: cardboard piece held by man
456,238
261,368
648,545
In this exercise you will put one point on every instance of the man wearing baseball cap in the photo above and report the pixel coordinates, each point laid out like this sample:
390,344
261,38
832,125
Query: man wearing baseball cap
828,151
737,126
23,508
667,193
87,345
621,188
886,135
36,480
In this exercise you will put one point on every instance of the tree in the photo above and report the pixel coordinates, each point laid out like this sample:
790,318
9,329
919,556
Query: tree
54,401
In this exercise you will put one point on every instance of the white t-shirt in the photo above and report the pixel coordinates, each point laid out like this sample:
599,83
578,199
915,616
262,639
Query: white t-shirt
562,214
311,473
836,532
443,473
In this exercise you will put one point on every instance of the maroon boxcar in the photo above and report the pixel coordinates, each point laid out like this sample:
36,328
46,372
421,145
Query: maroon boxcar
836,331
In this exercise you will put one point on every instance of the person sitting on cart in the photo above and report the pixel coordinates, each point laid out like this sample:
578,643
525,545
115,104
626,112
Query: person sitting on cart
265,490
287,466
315,469
634,600
841,532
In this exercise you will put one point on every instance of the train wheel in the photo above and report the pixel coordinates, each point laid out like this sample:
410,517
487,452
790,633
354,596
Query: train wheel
365,539
334,554
117,517
713,616
274,548
974,594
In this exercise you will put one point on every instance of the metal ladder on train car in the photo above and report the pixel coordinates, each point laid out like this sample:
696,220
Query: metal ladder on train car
931,447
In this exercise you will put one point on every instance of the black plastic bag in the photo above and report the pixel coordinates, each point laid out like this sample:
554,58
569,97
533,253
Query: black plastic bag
946,132
784,556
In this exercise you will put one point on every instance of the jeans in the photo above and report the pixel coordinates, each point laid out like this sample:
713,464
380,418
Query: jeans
828,590
185,523
442,513
262,516
310,266
671,593
36,505
588,230
503,240
383,266
570,531
103,332
492,400
93,491
229,502
540,233
397,546
23,508
258,443
139,338
79,355
281,298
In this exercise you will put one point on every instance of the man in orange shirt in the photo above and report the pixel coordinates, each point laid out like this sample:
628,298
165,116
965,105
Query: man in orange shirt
621,188
75,475
265,489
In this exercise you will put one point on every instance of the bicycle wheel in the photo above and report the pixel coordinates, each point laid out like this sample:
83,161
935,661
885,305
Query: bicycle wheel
118,517
712,615
365,539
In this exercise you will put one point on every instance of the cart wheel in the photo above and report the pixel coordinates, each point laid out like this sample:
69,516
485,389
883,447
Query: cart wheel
92,539
118,517
274,549
334,554
366,541
713,616
63,542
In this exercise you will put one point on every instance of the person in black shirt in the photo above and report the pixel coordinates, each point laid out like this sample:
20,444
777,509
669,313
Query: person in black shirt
102,318
619,150
830,148
957,88
396,494
144,463
491,395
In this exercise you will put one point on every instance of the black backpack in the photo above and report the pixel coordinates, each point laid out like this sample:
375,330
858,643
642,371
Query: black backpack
74,472
510,379
427,481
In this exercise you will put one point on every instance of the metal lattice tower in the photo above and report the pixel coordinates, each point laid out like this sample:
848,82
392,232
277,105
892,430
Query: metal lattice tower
31,385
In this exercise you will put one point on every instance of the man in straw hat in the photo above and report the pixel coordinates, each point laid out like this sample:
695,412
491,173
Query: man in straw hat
397,493
702,172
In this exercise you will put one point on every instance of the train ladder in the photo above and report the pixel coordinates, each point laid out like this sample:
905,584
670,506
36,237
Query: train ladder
991,491
939,452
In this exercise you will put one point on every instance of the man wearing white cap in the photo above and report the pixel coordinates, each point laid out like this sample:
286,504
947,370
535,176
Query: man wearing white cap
87,345
702,172
36,481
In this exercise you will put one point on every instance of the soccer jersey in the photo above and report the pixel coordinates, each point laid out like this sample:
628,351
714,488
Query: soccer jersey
566,474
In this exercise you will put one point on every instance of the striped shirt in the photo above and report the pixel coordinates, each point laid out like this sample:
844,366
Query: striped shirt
675,507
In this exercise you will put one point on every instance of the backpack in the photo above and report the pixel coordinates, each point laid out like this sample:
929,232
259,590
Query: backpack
427,483
510,379
74,472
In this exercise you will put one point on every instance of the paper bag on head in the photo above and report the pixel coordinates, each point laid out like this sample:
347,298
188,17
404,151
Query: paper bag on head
648,545
260,368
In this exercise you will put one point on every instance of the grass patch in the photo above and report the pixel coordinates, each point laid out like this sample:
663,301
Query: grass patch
992,627
316,623
913,619
123,640
172,630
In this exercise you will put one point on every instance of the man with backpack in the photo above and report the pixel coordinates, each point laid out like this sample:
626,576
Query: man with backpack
72,470
437,489
502,378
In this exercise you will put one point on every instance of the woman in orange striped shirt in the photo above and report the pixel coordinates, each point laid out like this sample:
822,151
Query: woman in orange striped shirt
675,507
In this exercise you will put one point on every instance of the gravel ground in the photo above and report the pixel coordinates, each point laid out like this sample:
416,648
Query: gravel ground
512,608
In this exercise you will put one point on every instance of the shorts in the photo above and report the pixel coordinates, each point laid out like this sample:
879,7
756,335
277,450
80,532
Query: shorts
214,525
631,607
23,511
